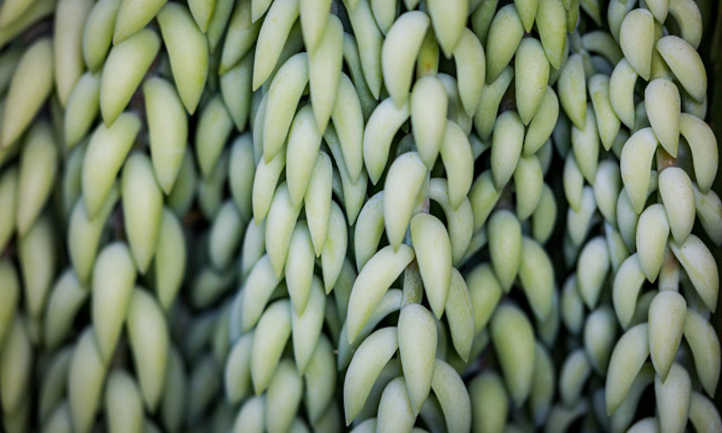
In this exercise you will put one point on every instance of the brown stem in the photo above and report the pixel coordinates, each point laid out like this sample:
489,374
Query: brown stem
664,159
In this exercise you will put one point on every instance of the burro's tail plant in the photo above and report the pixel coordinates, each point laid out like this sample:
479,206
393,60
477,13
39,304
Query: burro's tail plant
367,216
